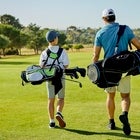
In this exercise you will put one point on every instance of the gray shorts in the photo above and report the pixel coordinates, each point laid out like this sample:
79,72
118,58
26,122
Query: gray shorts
51,91
123,87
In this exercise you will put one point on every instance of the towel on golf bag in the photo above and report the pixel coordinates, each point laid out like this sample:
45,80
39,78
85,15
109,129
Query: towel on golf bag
108,72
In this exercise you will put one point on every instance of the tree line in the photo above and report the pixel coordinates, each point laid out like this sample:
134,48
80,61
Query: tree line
14,36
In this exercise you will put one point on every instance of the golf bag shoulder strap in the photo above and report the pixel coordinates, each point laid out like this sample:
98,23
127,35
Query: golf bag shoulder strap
120,33
52,55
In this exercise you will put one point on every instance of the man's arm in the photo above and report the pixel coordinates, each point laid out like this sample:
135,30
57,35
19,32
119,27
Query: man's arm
136,43
96,53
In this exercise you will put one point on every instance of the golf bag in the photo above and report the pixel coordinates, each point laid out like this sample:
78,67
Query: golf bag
36,75
108,72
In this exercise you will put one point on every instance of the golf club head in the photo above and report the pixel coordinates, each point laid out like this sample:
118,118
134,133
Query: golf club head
82,71
80,85
71,73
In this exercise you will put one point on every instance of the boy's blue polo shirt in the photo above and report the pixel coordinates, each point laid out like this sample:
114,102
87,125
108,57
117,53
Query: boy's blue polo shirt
107,38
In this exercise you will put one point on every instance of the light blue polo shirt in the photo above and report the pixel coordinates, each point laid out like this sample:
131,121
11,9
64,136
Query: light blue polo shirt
107,39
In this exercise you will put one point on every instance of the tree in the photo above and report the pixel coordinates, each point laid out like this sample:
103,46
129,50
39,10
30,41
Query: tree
4,42
12,33
10,20
24,38
62,39
71,28
79,36
37,39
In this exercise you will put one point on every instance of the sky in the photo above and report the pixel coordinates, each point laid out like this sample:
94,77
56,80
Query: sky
61,14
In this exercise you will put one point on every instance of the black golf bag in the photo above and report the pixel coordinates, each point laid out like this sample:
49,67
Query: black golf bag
108,72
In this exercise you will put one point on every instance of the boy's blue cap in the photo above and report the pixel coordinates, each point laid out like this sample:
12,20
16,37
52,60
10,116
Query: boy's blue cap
51,35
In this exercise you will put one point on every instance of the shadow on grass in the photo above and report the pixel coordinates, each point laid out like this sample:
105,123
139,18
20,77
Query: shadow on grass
111,133
14,63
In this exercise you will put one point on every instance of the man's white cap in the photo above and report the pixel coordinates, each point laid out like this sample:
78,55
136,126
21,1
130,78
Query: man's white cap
108,12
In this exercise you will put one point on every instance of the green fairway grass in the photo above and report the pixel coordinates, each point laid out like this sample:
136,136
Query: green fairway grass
23,109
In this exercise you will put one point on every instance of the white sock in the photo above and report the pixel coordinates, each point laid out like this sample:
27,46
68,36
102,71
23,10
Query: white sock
52,120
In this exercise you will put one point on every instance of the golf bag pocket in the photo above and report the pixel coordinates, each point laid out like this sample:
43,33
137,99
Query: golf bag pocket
102,78
36,75
50,71
33,73
123,62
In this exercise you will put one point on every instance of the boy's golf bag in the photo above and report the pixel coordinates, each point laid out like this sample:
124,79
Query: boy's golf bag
36,75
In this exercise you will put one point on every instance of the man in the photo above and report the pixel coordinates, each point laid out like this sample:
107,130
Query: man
106,38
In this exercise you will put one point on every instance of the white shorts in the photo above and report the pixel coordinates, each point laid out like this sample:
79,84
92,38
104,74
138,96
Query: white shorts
123,87
51,90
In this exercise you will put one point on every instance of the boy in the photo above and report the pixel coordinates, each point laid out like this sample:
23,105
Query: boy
63,62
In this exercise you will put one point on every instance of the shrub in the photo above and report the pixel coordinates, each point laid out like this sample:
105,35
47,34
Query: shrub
11,52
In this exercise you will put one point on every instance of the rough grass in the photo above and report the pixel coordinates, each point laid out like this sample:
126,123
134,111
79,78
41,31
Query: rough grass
23,109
